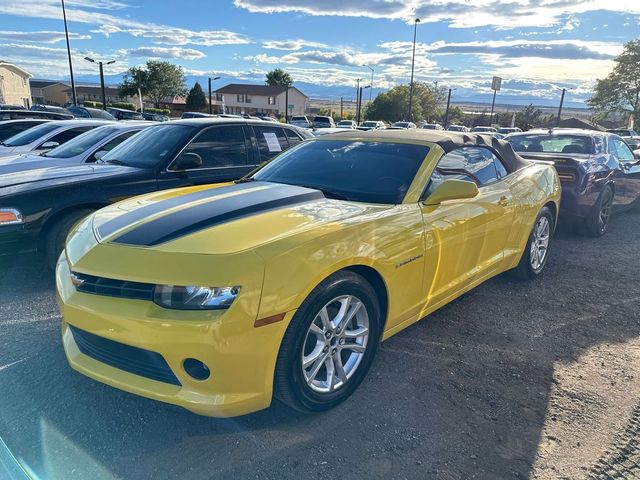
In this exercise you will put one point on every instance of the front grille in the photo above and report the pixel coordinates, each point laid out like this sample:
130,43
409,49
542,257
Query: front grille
112,288
124,357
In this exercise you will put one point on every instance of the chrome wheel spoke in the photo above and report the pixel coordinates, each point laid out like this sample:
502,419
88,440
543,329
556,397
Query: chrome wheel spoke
324,317
358,332
354,347
345,302
313,356
315,369
337,361
331,372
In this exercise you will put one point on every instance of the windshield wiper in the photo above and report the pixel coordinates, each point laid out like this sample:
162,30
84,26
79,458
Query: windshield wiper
245,180
327,193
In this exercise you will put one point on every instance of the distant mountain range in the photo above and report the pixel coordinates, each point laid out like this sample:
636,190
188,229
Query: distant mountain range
334,92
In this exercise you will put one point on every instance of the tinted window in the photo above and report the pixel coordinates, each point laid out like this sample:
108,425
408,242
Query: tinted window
151,147
30,135
472,164
620,149
111,144
357,171
223,146
271,141
292,136
11,129
69,134
552,143
80,144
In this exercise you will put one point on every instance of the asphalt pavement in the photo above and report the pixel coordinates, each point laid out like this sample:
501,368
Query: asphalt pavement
512,380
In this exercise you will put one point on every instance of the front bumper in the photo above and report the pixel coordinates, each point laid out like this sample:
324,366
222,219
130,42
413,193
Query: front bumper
16,239
240,357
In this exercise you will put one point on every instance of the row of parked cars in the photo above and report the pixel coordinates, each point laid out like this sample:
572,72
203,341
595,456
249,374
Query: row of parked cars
200,270
53,112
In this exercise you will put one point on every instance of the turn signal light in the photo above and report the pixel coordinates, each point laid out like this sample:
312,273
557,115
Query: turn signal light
10,216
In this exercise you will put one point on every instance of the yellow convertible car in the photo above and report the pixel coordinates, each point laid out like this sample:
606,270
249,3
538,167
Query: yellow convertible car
218,298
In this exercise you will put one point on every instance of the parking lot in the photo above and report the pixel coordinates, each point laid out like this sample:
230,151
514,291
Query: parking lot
513,380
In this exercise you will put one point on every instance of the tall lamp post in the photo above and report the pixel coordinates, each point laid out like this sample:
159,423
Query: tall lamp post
360,103
370,84
66,34
104,94
413,61
210,79
564,90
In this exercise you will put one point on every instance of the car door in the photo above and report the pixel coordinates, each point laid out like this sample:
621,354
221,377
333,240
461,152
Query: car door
628,177
224,151
467,237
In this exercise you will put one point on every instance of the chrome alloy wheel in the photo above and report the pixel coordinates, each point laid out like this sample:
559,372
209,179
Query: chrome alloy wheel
605,209
335,344
540,243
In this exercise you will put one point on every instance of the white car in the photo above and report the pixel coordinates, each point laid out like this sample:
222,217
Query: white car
86,148
432,126
47,136
300,121
372,125
403,126
346,124
484,130
457,128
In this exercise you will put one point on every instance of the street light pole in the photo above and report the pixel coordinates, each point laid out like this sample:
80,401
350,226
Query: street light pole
413,60
560,108
371,84
210,106
66,34
104,94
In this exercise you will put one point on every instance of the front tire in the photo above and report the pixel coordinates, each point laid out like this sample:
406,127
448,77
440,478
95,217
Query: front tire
536,252
57,235
329,345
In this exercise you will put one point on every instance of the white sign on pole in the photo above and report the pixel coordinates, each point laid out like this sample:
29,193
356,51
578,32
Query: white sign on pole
496,83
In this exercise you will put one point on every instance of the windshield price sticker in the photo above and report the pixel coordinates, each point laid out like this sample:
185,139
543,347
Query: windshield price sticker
272,142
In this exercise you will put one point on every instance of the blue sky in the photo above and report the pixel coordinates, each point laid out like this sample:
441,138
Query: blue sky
538,46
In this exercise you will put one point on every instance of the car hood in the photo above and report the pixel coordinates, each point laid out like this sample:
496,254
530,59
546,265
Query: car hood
225,218
4,151
58,174
20,163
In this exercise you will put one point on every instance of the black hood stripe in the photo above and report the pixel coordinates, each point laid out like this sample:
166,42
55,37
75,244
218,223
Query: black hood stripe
139,214
206,215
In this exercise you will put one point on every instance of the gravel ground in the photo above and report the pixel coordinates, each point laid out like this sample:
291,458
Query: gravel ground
513,380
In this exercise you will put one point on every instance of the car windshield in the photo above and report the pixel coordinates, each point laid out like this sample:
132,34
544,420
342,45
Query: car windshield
552,143
373,172
30,135
401,124
344,122
369,124
152,146
81,143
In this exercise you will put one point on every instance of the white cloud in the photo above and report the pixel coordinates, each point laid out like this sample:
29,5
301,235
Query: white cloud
43,36
163,52
291,45
499,14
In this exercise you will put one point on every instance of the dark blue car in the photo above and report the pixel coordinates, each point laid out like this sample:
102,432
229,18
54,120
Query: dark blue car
598,172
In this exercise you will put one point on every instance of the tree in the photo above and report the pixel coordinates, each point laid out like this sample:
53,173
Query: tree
620,90
279,77
393,105
529,117
156,81
196,101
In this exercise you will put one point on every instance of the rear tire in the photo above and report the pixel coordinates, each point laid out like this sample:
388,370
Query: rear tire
596,225
57,235
323,360
536,252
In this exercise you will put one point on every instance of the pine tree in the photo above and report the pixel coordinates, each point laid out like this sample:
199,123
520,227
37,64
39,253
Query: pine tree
196,100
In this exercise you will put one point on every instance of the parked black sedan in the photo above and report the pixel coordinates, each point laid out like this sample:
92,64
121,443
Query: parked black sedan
38,207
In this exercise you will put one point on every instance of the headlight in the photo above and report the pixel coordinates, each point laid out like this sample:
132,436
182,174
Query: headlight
194,298
10,216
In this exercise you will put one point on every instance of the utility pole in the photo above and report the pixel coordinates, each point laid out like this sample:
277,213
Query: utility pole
66,34
341,109
286,107
371,84
359,104
446,113
560,108
413,61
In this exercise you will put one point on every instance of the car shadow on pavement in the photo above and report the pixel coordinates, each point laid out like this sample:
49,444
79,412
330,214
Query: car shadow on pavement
463,394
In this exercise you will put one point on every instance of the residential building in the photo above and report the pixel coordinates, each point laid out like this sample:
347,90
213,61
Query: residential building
259,100
93,93
14,85
48,92
175,103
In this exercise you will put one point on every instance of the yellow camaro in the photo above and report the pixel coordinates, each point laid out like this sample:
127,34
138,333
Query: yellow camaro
219,297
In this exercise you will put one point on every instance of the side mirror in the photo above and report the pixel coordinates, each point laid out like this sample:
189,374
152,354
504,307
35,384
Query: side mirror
188,161
100,154
452,190
49,145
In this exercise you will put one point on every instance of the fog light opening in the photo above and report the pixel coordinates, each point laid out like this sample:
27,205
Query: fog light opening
196,369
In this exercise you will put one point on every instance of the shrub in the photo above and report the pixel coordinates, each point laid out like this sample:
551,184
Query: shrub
124,105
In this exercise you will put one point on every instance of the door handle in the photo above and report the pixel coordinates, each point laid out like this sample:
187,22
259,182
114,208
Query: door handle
504,201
